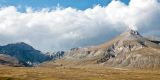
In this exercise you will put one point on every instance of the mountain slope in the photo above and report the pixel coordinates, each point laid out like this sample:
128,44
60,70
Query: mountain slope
130,49
8,60
25,53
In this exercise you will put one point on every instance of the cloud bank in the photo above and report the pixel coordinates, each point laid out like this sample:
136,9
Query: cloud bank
65,28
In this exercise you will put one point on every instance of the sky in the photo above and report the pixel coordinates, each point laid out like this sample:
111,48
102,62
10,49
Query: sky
53,25
38,4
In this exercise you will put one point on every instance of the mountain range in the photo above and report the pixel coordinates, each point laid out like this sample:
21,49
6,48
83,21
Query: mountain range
128,50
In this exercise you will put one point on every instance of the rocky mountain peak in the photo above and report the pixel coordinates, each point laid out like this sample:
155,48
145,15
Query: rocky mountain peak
133,32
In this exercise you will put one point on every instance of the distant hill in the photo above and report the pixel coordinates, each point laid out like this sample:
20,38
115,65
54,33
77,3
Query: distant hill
24,53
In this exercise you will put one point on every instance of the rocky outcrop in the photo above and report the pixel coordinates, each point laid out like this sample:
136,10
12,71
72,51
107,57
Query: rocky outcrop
57,55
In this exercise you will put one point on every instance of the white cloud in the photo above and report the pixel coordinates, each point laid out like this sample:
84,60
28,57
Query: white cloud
66,28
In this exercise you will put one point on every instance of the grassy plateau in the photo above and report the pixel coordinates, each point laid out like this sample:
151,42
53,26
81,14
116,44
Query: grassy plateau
70,73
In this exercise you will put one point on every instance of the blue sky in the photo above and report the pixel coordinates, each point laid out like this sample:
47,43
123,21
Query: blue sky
38,4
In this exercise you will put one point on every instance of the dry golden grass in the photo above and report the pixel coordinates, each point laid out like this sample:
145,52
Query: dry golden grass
63,73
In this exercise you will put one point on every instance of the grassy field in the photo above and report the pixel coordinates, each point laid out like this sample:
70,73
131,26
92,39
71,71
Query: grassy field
63,73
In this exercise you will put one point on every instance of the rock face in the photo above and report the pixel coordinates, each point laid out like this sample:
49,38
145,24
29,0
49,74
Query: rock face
130,49
24,53
55,55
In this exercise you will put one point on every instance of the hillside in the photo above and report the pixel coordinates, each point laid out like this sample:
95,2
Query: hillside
24,53
128,50
7,60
